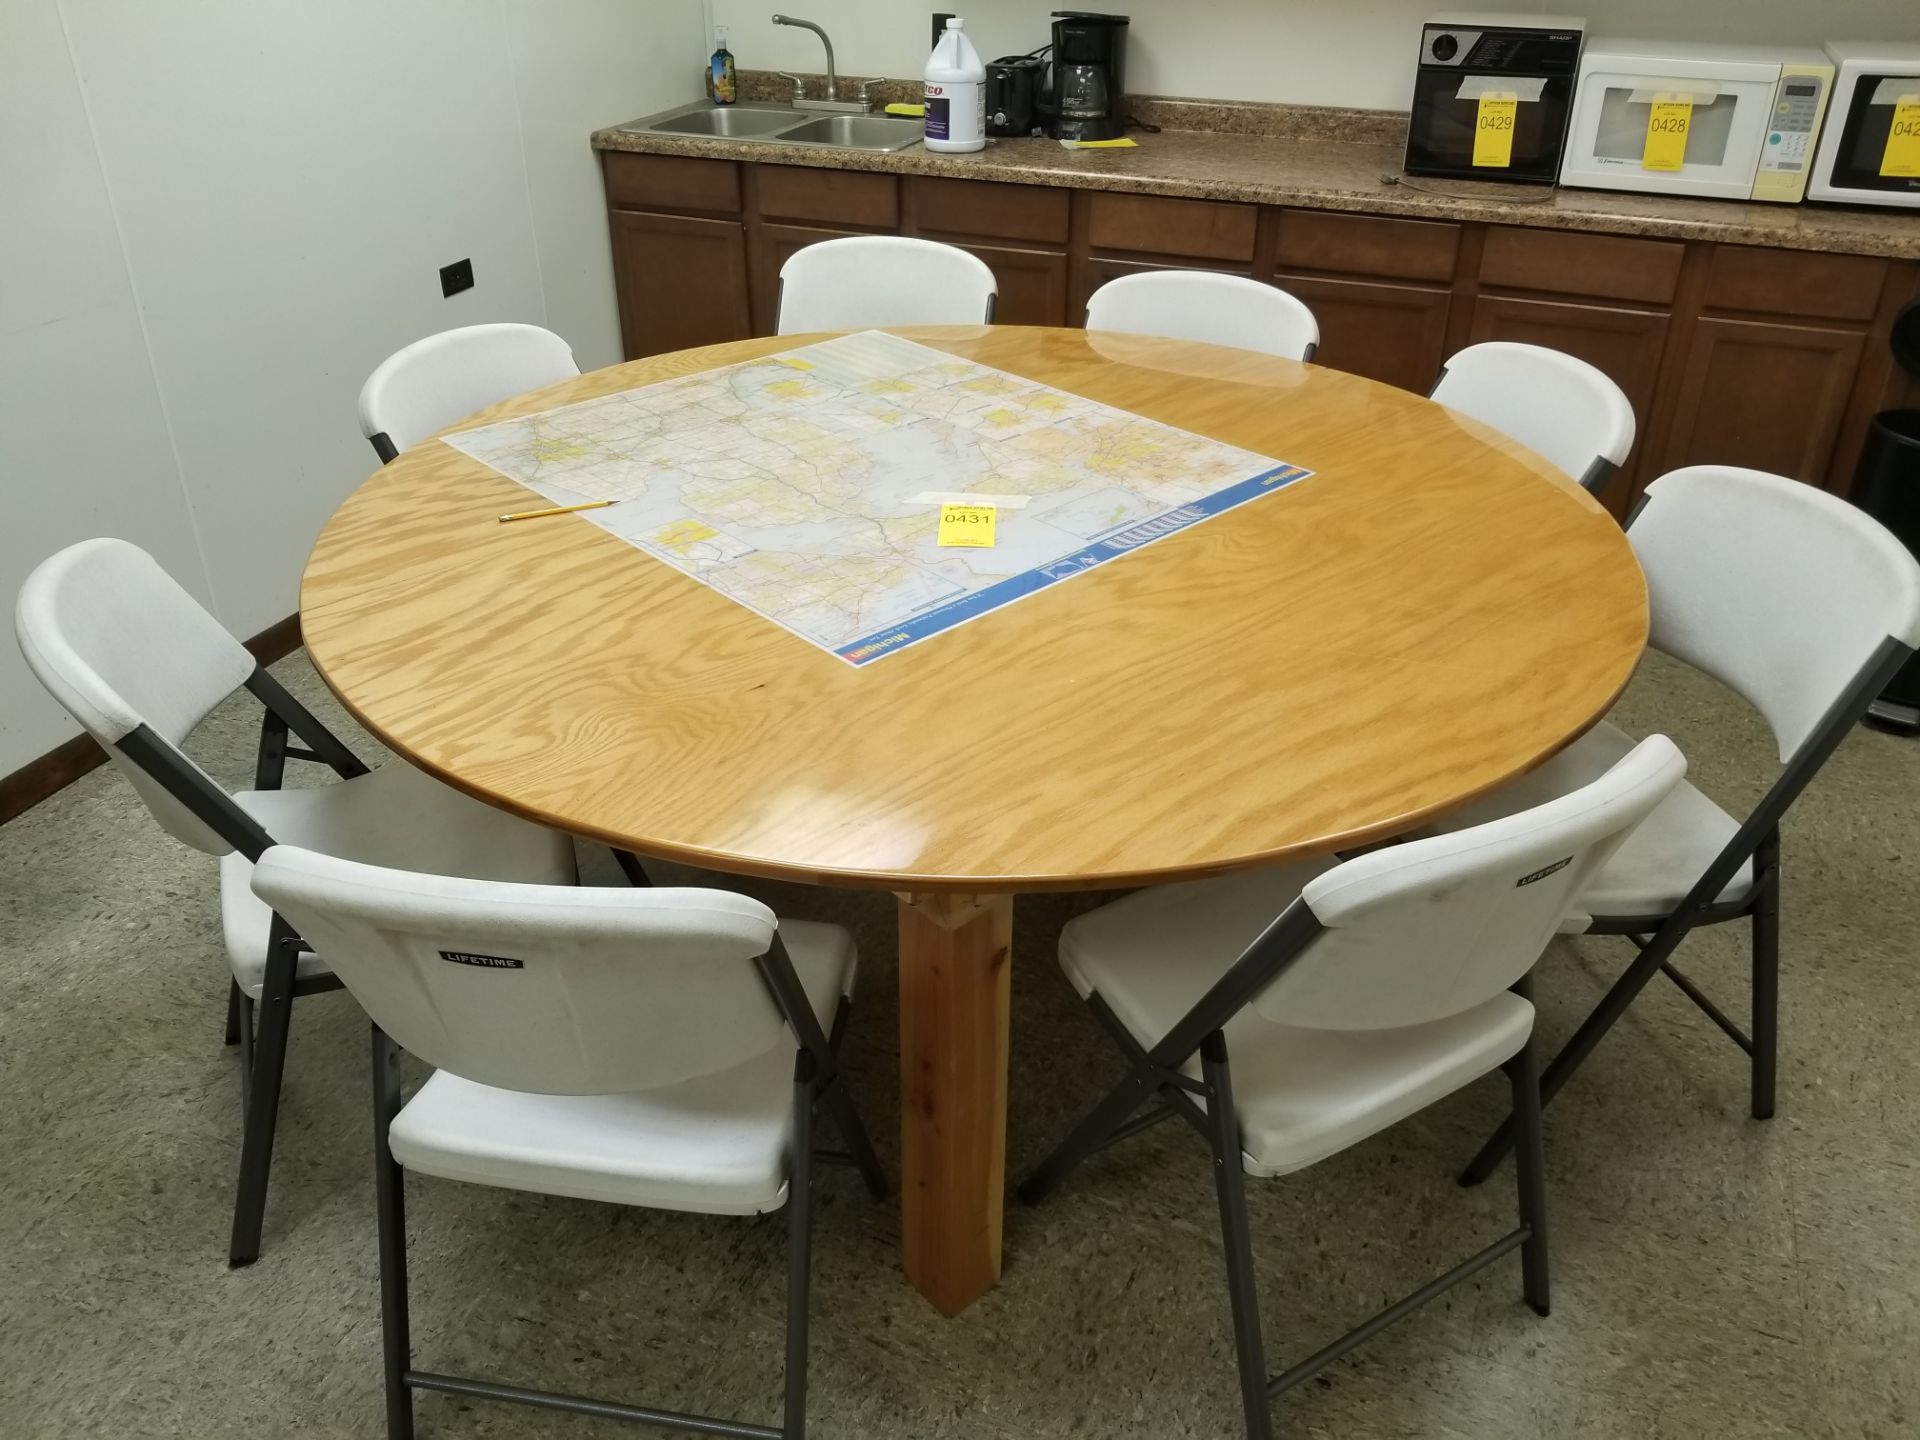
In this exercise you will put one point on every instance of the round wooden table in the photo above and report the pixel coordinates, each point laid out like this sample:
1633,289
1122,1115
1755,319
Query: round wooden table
1433,612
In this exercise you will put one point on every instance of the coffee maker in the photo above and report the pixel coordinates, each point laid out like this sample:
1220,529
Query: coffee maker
1087,99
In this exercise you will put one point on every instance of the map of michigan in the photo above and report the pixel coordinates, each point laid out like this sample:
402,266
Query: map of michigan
805,484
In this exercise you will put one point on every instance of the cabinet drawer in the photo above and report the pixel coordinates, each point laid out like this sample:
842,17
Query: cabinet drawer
1606,267
839,197
1146,224
672,182
1034,213
1364,245
1787,282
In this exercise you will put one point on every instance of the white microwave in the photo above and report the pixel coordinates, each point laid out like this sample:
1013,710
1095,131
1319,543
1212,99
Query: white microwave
1668,117
1870,154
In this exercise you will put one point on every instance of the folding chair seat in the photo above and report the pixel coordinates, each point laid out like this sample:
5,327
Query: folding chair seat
139,664
1208,306
1803,606
1289,1014
424,387
667,1048
1561,407
876,281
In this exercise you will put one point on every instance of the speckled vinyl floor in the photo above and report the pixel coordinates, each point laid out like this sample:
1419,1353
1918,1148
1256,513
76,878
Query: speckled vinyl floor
1714,1276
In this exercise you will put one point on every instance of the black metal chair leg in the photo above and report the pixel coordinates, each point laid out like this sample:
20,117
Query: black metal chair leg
630,867
1128,1096
246,1057
1766,976
1230,1180
799,1247
1530,1168
1573,1054
389,1188
263,1097
233,1012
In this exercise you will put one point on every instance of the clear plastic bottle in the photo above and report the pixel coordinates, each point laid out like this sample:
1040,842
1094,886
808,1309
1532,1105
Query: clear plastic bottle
956,94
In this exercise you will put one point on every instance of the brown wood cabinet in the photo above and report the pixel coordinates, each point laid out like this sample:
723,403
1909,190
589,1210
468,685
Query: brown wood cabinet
679,280
1767,396
1737,354
1396,334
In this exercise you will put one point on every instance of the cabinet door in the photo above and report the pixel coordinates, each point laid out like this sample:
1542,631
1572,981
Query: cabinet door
1032,285
1770,397
681,282
1624,344
1396,334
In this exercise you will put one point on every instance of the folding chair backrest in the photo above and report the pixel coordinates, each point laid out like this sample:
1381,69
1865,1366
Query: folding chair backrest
559,990
1206,305
1562,408
119,643
434,382
875,281
1779,590
1421,931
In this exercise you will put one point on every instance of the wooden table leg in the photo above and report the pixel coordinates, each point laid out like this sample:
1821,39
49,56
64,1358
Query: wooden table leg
955,953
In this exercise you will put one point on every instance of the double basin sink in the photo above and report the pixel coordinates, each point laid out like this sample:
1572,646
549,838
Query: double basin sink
782,125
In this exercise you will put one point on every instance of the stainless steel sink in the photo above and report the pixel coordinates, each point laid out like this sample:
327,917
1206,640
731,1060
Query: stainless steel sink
855,132
782,125
733,121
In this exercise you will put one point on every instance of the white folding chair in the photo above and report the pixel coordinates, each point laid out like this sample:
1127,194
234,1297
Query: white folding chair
1805,607
661,1048
1206,305
431,383
138,663
866,282
1560,407
1351,995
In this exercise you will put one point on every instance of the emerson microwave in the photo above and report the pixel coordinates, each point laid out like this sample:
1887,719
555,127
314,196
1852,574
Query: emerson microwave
1870,151
1730,122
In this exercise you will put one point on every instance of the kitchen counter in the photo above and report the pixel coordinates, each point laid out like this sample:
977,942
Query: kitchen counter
1326,174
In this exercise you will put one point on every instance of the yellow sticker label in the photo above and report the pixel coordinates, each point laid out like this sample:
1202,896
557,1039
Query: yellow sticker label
1902,160
1669,118
967,525
1493,131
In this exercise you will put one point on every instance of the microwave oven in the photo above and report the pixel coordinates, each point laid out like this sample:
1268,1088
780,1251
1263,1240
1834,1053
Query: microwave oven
1667,117
1490,96
1870,153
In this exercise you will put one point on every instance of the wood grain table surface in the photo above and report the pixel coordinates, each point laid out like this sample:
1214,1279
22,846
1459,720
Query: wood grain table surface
1434,611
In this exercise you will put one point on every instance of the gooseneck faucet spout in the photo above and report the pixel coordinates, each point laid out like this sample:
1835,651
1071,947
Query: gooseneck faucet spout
833,84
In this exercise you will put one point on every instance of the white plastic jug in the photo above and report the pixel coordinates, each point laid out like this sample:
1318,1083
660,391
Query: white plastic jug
956,94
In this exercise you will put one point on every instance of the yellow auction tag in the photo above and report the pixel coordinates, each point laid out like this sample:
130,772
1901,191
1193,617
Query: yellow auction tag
1902,160
968,525
1669,118
1493,131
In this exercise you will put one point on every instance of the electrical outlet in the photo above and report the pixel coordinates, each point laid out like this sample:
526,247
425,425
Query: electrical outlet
940,18
456,277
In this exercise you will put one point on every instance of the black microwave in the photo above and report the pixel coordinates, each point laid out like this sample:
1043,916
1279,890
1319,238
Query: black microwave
1469,65
1870,149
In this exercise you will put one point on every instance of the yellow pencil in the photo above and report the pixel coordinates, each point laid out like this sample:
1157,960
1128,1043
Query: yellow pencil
556,510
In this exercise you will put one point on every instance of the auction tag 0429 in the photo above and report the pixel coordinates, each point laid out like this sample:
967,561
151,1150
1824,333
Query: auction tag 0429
1493,131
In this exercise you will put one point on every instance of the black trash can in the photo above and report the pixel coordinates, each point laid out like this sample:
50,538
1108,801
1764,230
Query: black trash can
1887,487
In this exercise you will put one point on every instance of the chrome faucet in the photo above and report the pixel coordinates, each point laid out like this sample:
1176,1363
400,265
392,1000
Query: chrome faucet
833,100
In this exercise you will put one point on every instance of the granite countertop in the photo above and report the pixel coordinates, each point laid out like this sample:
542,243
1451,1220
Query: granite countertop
1304,167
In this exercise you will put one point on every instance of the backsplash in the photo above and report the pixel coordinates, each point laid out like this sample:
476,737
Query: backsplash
1168,112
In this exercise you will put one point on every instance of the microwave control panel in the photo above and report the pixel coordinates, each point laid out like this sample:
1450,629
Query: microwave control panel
1799,105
